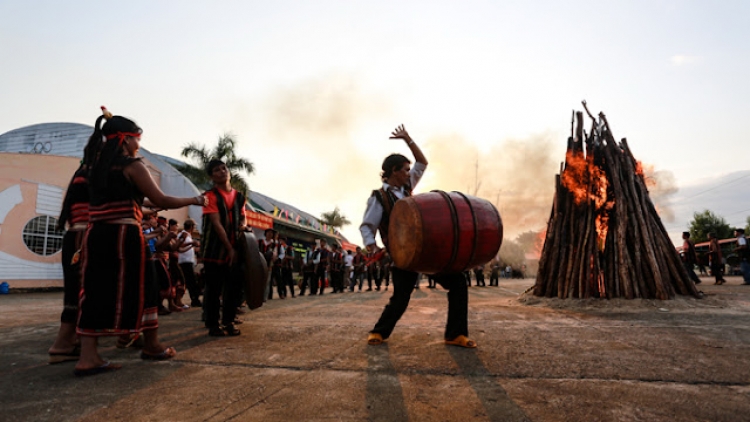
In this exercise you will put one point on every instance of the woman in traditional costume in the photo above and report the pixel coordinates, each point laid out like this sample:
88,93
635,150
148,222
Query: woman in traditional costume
74,215
115,299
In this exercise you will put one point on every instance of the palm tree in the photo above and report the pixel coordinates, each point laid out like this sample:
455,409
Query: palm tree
224,151
334,219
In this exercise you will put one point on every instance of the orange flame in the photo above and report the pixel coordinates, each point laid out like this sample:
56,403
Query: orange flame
541,237
584,179
602,223
588,182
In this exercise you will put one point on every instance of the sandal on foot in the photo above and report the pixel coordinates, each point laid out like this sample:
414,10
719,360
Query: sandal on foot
166,354
216,332
231,330
59,357
462,341
107,367
375,339
135,341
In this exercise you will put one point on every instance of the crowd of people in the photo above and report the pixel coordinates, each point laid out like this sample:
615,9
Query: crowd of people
716,260
125,265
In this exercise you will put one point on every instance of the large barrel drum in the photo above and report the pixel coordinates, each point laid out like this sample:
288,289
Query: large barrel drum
443,232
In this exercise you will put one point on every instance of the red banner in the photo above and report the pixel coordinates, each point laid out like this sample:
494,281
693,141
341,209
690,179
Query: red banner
258,220
348,246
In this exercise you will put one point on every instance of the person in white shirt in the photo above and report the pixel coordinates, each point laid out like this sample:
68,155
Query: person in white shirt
186,261
348,270
399,178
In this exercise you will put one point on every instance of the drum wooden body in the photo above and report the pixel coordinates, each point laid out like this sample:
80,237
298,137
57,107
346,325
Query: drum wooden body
443,232
255,270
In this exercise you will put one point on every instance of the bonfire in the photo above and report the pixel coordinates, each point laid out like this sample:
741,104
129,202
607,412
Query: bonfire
604,237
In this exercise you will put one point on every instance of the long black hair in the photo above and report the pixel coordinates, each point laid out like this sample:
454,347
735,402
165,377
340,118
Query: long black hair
112,133
90,153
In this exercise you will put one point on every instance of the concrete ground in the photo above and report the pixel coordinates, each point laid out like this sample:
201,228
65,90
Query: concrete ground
306,359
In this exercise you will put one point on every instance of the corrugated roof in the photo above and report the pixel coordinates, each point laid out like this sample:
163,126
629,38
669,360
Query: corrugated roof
69,139
66,139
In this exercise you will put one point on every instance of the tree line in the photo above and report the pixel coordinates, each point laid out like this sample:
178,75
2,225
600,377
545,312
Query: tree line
706,222
225,150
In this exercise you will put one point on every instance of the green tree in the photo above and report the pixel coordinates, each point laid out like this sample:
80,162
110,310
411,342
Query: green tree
334,219
747,226
511,254
530,242
224,151
706,222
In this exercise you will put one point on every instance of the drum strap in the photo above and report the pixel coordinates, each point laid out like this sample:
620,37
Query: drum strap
456,231
475,225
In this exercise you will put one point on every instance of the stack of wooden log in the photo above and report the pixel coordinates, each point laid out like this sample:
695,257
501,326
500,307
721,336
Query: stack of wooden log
604,237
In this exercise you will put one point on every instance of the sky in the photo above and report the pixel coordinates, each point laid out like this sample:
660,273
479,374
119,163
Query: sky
312,89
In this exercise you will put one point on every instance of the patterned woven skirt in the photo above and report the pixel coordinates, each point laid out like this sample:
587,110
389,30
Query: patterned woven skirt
114,297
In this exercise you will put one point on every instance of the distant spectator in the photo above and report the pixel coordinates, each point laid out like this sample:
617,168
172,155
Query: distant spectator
348,270
495,273
742,253
689,257
716,261
479,275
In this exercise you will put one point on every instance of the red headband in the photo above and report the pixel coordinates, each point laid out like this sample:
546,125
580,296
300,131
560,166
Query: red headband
122,136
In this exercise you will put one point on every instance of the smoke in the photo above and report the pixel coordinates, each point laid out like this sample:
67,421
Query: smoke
517,176
661,187
324,110
321,145
329,136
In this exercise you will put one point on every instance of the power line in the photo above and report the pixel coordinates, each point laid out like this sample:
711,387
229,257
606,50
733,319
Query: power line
715,187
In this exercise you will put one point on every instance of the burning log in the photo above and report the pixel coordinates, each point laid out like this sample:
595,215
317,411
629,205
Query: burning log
604,236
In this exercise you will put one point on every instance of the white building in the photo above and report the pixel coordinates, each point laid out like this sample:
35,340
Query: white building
36,164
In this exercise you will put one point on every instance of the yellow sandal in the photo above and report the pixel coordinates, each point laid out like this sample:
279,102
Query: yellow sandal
375,339
462,341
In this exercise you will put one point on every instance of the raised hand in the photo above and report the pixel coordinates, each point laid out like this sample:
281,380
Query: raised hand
401,133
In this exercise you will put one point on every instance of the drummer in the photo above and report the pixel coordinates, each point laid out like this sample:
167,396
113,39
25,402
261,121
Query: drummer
399,178
223,219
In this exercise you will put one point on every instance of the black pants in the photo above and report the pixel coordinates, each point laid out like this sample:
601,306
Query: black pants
691,272
188,271
494,279
275,278
359,278
320,279
225,281
286,280
403,284
337,281
370,277
307,281
718,271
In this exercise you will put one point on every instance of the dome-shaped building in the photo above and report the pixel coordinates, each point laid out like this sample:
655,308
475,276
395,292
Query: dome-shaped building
36,164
